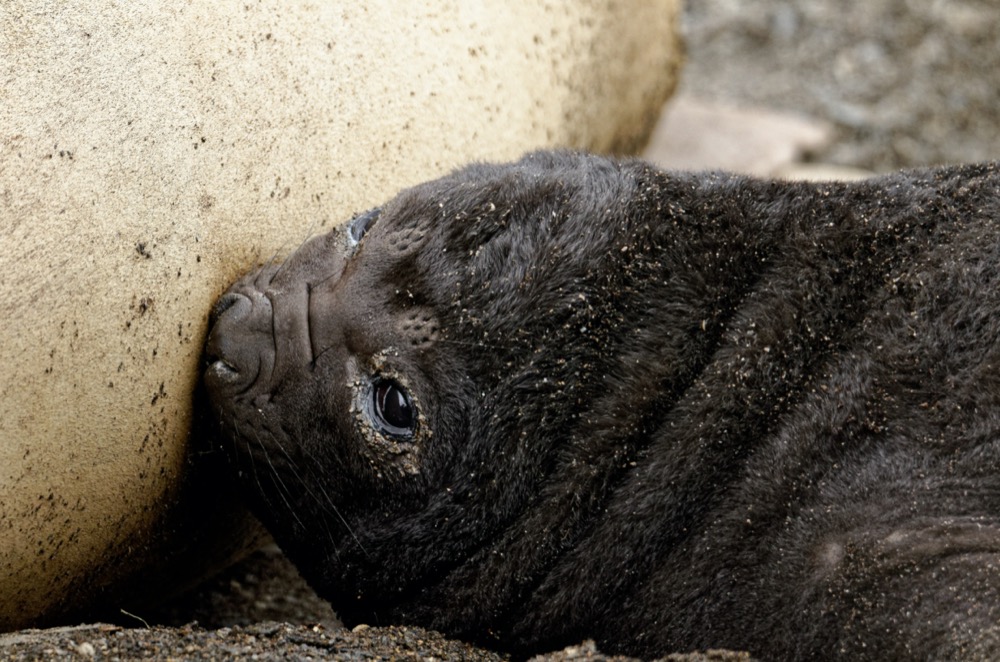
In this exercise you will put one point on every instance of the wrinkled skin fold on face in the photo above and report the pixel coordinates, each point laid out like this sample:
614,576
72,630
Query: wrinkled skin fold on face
573,397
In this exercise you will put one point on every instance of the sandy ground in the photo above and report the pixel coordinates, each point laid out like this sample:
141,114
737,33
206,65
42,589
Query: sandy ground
871,85
271,640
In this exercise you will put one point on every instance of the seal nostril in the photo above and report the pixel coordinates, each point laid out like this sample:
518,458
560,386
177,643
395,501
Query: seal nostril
225,302
222,369
239,340
219,348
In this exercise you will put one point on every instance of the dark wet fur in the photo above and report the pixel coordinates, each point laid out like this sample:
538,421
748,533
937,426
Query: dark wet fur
666,411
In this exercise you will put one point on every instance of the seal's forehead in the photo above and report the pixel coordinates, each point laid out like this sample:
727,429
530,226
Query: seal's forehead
475,204
473,237
535,178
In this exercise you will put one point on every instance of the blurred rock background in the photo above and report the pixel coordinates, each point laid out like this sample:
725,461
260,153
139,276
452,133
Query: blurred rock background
866,84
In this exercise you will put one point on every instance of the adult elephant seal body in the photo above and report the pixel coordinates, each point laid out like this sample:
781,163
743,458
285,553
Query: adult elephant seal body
572,397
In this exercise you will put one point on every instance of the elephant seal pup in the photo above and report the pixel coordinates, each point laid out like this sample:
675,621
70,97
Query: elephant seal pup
576,398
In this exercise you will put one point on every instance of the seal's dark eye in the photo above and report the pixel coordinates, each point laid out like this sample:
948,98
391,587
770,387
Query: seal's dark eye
357,228
391,409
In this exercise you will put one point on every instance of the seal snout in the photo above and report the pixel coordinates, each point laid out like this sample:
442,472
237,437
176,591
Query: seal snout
218,359
239,332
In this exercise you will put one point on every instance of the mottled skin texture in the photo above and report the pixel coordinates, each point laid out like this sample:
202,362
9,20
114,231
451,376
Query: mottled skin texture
667,411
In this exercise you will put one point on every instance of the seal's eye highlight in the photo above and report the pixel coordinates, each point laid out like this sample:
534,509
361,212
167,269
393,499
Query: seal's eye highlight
358,226
391,409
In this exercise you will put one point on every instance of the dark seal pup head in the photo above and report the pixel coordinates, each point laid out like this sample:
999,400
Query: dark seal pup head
572,397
